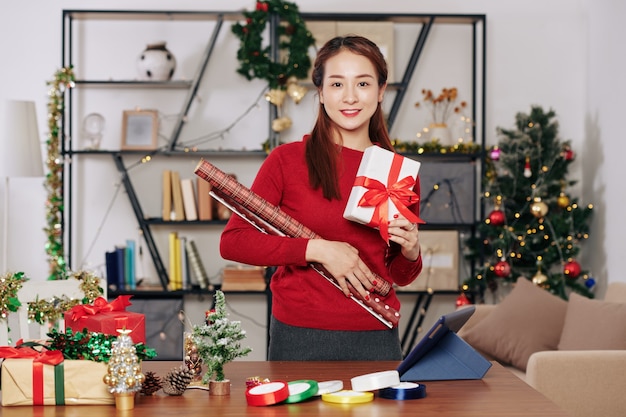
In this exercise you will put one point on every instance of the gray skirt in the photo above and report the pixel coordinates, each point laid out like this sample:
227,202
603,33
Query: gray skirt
289,343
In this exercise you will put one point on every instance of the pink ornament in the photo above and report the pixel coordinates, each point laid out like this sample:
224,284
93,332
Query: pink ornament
495,154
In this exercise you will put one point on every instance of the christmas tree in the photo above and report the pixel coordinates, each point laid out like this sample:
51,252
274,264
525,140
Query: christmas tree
534,228
219,340
124,376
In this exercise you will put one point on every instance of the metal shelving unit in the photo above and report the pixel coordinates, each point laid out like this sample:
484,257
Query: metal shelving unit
399,89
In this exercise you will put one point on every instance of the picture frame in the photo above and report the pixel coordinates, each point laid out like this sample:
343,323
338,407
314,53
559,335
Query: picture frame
440,260
139,129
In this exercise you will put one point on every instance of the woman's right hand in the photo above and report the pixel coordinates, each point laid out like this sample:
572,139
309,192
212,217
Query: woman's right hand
342,261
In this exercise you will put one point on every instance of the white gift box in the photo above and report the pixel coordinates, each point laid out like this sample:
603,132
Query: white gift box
389,169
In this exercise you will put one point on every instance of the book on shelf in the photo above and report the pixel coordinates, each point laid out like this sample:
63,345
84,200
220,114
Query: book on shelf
196,267
178,262
112,277
115,262
189,199
177,197
130,280
243,278
184,282
173,268
166,213
205,201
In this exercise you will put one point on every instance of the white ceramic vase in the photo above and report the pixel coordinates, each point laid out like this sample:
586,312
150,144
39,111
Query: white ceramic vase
156,63
441,132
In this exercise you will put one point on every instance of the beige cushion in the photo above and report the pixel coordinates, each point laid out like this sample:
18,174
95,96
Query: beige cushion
528,320
593,325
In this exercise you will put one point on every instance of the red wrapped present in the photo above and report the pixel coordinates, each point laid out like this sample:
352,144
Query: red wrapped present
107,318
382,189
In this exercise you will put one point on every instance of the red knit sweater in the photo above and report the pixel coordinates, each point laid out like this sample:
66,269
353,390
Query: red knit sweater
301,297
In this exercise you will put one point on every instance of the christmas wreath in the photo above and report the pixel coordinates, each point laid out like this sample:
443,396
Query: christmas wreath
255,60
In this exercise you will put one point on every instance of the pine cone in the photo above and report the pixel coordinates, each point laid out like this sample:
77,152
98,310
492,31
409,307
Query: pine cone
177,380
151,384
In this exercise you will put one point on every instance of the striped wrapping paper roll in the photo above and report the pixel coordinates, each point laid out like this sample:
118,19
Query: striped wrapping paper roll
272,219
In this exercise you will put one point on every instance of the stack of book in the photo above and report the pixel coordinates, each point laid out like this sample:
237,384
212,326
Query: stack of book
189,199
243,278
186,269
120,267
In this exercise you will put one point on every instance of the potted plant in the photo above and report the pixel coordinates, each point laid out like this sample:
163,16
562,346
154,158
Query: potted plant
218,342
441,107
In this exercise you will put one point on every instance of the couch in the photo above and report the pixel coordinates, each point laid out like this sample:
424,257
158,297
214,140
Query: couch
572,352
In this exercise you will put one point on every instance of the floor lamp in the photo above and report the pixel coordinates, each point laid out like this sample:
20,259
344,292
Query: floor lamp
20,154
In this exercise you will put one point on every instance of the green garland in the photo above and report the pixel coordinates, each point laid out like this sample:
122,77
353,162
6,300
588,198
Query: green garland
295,39
86,345
63,79
434,147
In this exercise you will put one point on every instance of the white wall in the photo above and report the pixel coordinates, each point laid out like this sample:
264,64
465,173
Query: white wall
560,54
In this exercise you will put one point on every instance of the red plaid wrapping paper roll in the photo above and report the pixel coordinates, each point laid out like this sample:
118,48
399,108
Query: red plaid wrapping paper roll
266,216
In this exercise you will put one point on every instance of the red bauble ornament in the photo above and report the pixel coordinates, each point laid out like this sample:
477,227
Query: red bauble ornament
568,154
502,269
497,217
262,6
462,300
572,269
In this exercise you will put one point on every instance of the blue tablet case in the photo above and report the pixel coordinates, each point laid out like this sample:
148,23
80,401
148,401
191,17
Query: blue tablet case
442,355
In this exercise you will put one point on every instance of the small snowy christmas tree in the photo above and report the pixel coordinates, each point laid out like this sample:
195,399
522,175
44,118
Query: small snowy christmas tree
219,340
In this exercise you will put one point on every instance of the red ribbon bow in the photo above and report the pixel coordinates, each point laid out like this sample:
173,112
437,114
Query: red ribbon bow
48,357
378,195
100,305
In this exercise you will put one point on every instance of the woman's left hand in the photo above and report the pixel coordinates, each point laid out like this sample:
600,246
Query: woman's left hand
406,234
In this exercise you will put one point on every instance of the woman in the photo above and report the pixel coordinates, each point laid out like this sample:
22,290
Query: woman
311,181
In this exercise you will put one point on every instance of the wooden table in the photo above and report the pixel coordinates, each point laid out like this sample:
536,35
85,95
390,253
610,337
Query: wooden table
499,393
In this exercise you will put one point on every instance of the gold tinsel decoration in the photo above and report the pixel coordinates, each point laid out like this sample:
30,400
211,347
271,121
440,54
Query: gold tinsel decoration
10,284
50,310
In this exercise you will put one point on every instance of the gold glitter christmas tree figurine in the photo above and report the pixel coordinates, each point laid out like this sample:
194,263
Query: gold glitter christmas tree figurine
124,376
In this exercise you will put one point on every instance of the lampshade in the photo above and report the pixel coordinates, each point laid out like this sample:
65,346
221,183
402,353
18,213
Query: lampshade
20,149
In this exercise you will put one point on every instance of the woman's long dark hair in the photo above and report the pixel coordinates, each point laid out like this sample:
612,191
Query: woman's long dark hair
321,152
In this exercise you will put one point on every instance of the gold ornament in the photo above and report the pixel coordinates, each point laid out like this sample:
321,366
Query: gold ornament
540,279
538,208
562,200
276,97
281,123
296,91
192,358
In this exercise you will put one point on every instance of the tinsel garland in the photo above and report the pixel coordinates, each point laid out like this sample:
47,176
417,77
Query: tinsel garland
435,147
50,310
419,148
85,345
255,60
63,79
10,284
45,310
